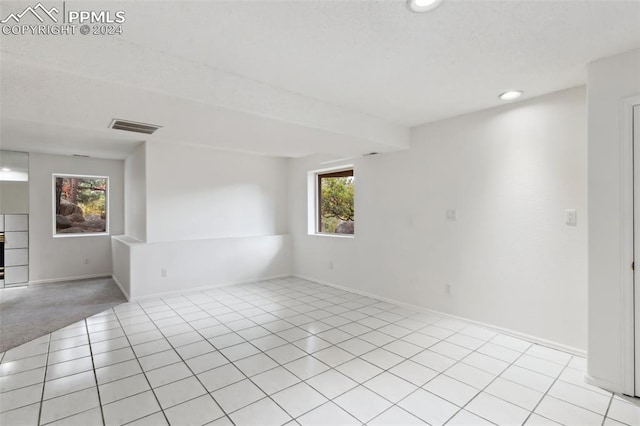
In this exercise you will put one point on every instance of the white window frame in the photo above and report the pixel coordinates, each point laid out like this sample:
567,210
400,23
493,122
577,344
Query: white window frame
313,207
53,205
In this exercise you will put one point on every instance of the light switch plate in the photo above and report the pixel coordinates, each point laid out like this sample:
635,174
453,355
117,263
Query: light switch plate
571,217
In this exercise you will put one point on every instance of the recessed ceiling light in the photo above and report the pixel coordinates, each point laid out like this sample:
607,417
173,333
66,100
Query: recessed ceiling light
6,169
423,5
510,95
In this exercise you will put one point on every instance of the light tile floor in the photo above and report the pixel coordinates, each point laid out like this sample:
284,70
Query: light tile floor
290,351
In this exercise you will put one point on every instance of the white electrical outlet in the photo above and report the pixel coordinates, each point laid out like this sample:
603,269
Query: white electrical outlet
331,264
571,217
86,261
451,214
163,273
447,288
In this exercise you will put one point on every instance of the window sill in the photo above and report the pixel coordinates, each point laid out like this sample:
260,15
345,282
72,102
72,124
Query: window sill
82,234
347,236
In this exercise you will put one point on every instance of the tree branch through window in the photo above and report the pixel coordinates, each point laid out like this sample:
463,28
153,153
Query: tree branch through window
336,202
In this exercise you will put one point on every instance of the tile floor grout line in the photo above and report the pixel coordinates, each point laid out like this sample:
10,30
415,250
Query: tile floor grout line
141,369
23,371
229,362
66,417
457,361
531,344
44,380
231,332
301,305
279,365
572,403
492,381
144,417
376,347
550,377
95,375
454,332
395,339
355,356
305,381
547,393
69,393
70,375
442,373
334,345
190,369
555,379
606,413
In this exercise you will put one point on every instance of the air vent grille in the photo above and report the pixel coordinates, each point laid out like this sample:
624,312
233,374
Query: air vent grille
132,126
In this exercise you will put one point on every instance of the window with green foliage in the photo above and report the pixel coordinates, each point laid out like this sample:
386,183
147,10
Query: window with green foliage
335,202
80,204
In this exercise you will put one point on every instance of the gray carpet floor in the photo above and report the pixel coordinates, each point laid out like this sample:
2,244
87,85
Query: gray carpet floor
27,313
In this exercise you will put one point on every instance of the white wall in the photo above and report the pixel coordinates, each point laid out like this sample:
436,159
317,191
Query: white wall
209,217
135,194
63,258
198,264
610,279
510,259
121,258
14,197
198,193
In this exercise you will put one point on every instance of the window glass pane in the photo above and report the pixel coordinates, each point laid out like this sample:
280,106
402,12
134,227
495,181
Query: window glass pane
80,204
336,203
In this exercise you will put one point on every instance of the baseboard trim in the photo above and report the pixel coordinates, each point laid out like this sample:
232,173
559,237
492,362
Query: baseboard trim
206,287
604,384
502,330
81,277
121,287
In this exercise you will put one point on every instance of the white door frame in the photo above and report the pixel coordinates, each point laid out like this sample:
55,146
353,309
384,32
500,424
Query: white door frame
630,358
636,177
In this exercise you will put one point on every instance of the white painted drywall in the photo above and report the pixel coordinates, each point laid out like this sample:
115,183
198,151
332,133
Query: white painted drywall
14,197
228,112
135,194
209,218
63,258
198,193
609,81
121,258
206,263
511,261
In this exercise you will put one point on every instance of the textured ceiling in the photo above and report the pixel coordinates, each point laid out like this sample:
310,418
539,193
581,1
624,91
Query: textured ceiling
377,57
365,69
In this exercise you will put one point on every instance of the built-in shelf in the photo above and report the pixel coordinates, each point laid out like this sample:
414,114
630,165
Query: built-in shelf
15,259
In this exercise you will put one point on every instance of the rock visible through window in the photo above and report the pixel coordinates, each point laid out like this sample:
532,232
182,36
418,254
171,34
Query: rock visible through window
80,204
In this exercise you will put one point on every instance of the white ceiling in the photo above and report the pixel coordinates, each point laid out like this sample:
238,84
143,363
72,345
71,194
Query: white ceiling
378,58
14,166
343,77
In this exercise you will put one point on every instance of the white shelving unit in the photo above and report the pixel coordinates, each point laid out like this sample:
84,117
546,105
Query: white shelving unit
16,249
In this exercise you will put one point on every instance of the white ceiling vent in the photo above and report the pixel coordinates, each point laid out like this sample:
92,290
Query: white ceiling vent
132,126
